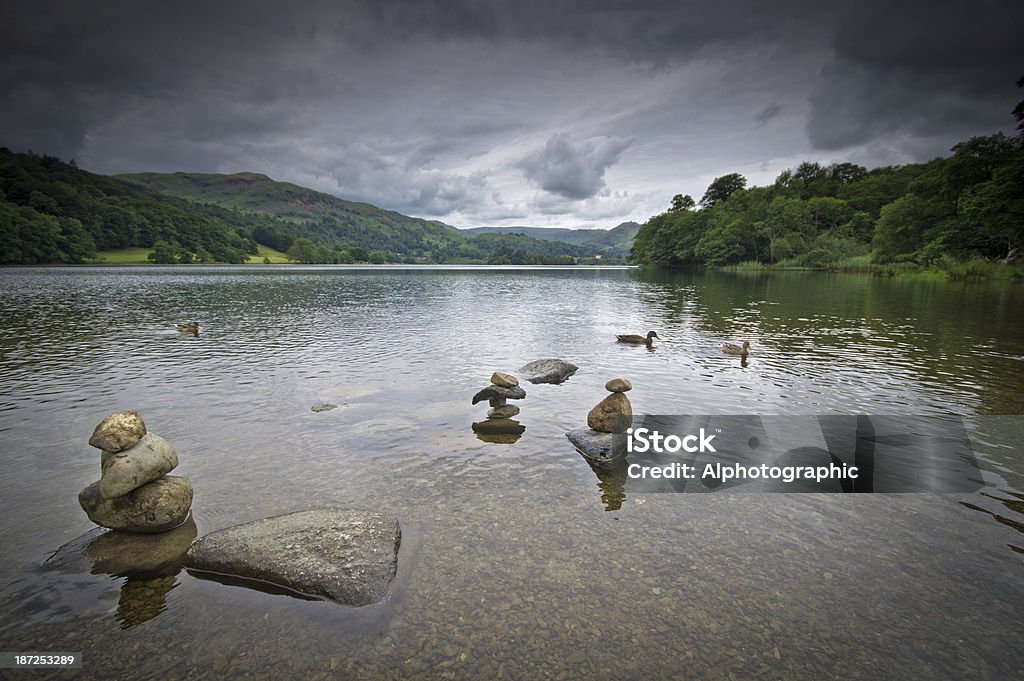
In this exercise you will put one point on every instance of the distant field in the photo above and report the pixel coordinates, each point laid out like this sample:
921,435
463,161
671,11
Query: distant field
123,256
136,256
267,252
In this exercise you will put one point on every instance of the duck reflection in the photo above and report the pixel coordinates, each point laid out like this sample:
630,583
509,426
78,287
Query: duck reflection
149,564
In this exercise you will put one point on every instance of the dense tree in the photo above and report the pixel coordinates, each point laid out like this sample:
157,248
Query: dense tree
722,188
969,204
682,202
304,250
163,253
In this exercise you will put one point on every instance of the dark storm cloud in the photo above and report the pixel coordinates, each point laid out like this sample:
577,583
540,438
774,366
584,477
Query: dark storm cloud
767,113
466,108
574,170
918,69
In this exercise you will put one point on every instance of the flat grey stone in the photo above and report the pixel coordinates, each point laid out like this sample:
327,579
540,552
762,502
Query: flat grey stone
506,411
504,380
129,469
547,371
347,556
324,406
598,447
492,392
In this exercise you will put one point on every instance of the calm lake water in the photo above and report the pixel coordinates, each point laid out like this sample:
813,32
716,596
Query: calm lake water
518,560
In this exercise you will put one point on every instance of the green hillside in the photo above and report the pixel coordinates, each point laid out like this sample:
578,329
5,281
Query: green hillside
330,229
615,242
323,218
54,212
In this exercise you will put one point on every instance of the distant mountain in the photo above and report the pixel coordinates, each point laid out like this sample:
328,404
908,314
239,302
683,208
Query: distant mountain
357,229
322,217
616,241
54,212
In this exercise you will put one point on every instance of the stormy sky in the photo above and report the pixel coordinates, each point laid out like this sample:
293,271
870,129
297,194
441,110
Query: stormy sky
542,113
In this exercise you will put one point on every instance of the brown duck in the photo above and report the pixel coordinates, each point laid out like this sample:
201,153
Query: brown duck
638,340
733,349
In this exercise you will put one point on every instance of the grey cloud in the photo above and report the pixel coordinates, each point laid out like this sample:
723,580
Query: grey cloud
574,170
428,106
917,70
767,113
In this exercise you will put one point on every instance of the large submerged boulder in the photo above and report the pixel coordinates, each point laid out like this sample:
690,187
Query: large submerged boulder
548,371
157,506
347,556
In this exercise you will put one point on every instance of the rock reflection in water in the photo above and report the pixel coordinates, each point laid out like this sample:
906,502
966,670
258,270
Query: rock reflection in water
611,478
150,564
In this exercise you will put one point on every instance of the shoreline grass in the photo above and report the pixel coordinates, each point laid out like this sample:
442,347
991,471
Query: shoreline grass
971,270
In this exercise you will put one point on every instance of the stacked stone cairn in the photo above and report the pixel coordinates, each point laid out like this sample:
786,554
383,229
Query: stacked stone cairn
134,492
613,414
605,439
499,421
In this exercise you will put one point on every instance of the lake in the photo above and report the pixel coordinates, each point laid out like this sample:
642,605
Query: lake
517,560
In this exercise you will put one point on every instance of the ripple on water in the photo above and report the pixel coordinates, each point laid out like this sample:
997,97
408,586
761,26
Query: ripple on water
520,552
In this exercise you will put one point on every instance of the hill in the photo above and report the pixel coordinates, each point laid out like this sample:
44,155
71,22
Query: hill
323,218
54,212
609,242
359,229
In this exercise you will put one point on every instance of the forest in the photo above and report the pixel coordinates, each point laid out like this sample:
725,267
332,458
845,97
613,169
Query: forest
962,207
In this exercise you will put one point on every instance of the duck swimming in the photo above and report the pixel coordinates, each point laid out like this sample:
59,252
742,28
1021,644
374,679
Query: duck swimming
733,349
638,340
191,327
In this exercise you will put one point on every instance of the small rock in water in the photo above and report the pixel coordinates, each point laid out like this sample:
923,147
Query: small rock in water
504,412
492,391
504,380
499,426
324,406
547,371
613,414
497,402
598,447
618,385
131,468
157,506
118,431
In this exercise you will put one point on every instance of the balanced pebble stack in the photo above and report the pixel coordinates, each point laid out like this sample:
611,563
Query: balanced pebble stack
613,414
499,421
605,440
134,492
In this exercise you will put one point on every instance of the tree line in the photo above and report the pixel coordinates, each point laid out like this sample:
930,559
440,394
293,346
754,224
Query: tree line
967,205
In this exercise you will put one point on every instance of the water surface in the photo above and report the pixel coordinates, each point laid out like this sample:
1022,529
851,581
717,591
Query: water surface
518,560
